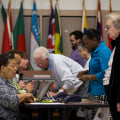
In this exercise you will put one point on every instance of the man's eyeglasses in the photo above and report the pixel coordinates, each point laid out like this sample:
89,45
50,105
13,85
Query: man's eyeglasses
107,27
37,63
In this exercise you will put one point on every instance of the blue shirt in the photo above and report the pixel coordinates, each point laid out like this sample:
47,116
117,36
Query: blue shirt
97,66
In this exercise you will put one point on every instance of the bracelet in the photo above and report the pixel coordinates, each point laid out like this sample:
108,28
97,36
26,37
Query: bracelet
89,77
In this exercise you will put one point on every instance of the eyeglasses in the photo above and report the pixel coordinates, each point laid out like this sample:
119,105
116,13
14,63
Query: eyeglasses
38,63
107,27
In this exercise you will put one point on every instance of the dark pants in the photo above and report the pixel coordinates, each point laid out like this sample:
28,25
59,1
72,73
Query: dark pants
24,113
115,114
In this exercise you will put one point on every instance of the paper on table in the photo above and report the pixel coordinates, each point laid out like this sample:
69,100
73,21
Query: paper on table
41,76
38,103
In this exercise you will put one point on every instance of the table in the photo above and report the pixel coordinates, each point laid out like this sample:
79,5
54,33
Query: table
88,104
63,107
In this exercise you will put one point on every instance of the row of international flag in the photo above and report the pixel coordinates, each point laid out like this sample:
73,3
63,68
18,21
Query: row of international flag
15,39
98,21
54,43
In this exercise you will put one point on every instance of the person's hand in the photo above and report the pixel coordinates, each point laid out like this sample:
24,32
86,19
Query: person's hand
118,107
81,73
53,94
84,78
29,98
22,84
29,86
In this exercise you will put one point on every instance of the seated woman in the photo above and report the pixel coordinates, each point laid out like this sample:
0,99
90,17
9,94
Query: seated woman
9,97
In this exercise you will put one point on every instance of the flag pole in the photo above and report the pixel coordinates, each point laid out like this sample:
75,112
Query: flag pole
22,2
9,6
50,4
97,12
110,6
82,15
83,4
59,16
10,3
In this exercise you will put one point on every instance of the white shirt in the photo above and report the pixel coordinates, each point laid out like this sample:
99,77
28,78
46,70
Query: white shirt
65,71
87,64
106,79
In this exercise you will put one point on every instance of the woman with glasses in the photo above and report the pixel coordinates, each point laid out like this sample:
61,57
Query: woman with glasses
112,76
9,97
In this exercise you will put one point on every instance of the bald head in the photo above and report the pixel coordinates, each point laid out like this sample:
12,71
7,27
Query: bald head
41,52
41,57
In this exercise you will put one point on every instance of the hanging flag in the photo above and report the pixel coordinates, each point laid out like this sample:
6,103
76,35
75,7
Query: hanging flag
51,32
99,20
18,33
58,36
84,19
35,38
7,43
110,39
4,14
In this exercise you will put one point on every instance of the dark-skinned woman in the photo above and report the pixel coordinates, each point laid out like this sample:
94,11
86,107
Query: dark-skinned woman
100,55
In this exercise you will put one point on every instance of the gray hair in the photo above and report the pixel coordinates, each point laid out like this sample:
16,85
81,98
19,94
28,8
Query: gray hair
115,17
41,52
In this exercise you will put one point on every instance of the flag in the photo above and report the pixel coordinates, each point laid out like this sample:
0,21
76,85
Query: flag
99,20
110,39
84,19
51,32
35,38
18,33
58,36
4,14
7,43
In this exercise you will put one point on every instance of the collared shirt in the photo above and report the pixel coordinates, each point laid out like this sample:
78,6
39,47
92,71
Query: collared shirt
17,86
65,71
106,79
9,101
97,66
76,56
50,62
87,64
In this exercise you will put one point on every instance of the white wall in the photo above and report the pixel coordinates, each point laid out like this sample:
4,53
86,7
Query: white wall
65,4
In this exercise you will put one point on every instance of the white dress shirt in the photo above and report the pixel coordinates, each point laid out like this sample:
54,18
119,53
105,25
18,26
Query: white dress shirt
65,71
106,79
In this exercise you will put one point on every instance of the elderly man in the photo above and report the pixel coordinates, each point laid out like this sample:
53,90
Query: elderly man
63,68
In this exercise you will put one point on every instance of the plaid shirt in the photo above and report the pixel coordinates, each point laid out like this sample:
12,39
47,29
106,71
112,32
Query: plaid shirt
9,101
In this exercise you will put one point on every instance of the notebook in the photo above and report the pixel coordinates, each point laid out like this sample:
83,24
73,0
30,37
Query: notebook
42,90
42,81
